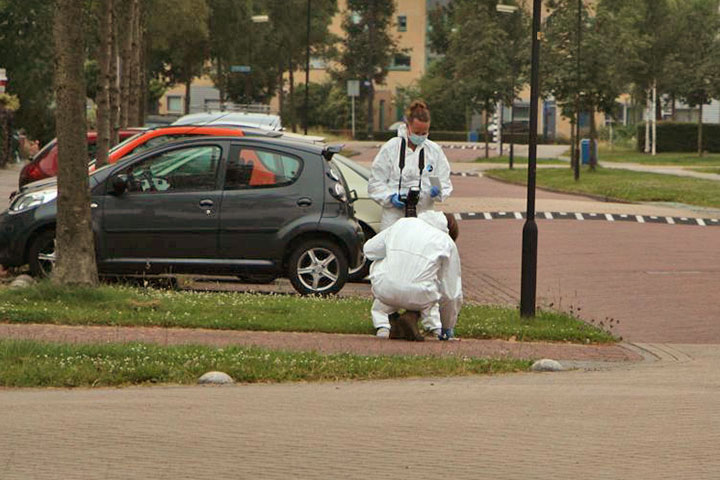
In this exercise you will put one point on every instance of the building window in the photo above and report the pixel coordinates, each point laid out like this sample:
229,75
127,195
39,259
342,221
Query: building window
400,61
317,63
174,104
402,23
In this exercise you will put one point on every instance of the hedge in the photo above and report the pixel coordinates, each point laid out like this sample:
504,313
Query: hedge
681,137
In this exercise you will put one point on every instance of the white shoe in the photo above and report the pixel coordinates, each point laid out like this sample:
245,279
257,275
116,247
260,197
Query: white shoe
382,332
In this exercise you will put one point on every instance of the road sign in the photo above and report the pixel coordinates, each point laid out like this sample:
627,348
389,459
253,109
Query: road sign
3,80
240,68
353,87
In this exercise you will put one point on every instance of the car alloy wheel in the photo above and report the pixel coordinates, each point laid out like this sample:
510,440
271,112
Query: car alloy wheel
318,267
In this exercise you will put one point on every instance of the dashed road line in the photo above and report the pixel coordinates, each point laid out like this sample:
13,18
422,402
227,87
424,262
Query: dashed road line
581,216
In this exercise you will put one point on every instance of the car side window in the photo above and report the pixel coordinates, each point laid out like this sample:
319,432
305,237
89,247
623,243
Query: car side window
253,168
185,169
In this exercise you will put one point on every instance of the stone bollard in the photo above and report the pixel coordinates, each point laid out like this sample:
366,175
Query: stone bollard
215,378
22,281
547,365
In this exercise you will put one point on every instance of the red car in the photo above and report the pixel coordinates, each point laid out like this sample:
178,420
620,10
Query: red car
45,163
138,140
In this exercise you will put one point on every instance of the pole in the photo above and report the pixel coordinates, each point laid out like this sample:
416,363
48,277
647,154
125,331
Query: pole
530,232
576,167
512,133
500,125
353,117
307,71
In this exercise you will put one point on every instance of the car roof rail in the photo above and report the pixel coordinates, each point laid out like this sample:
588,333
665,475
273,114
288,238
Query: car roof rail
331,150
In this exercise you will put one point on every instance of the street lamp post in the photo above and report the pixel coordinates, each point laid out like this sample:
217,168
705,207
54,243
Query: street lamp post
509,9
530,231
576,147
307,72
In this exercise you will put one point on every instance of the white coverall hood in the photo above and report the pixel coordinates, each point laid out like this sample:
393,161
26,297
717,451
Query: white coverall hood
436,219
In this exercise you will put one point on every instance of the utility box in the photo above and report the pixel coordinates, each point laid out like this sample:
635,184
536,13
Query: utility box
585,151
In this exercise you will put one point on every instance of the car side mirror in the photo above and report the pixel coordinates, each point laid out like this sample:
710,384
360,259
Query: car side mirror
119,184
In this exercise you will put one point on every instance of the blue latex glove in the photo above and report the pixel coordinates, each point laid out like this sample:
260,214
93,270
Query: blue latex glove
395,200
434,191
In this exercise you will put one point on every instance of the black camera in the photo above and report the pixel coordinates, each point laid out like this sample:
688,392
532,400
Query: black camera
411,201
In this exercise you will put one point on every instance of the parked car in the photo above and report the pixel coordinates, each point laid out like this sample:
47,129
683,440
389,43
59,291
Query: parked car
45,163
242,119
133,141
194,206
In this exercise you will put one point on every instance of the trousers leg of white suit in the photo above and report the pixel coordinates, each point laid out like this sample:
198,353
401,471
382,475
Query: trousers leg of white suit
430,317
380,313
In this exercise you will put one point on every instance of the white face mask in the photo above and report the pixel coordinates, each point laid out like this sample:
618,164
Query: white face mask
417,139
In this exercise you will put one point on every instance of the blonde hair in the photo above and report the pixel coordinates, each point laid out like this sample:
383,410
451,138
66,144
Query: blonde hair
419,110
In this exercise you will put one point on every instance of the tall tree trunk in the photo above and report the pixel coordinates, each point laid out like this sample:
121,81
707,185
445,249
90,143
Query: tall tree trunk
370,75
486,133
125,63
572,143
103,93
142,80
654,120
281,91
673,107
114,78
293,120
700,131
593,140
220,72
134,64
75,248
647,122
188,86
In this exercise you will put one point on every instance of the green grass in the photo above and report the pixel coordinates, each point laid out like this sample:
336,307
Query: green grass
622,185
624,155
125,306
26,363
520,160
715,170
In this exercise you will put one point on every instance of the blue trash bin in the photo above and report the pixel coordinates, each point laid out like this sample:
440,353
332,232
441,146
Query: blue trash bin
473,136
585,151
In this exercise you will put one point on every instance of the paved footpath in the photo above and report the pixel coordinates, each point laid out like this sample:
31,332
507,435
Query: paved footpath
657,419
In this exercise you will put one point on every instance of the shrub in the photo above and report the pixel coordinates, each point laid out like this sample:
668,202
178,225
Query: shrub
681,137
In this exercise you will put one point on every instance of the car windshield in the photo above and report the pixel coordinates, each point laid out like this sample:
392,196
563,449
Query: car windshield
354,166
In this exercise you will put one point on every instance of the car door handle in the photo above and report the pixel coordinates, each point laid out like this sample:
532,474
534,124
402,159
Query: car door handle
206,203
304,202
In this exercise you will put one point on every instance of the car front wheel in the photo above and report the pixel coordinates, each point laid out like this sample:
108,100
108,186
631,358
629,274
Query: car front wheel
317,267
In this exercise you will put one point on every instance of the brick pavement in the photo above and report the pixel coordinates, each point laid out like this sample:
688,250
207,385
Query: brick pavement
651,420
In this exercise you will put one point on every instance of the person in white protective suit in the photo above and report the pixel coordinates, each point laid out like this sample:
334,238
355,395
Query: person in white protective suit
416,266
423,164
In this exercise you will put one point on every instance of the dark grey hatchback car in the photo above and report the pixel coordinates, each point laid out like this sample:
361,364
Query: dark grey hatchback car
244,206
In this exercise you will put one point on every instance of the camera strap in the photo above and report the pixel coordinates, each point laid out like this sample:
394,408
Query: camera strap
401,163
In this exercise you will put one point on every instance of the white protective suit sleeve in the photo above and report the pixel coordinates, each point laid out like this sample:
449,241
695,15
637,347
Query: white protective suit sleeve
451,296
380,173
443,172
374,249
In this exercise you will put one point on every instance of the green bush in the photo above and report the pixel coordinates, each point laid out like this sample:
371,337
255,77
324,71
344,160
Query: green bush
681,137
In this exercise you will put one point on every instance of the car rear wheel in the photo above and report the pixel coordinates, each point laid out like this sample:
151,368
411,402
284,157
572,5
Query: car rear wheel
41,255
317,267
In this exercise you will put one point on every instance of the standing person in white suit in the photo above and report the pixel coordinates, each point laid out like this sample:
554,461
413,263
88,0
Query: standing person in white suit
409,160
416,266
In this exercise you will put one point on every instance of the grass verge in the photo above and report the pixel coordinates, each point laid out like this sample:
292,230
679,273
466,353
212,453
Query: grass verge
715,170
622,185
625,155
520,160
126,306
26,363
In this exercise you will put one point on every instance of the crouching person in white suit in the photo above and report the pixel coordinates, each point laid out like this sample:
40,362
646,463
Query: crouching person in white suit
416,266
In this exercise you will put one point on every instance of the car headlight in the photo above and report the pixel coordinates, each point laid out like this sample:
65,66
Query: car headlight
338,191
31,200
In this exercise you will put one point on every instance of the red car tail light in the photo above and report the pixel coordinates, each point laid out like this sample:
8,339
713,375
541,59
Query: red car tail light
31,173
